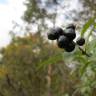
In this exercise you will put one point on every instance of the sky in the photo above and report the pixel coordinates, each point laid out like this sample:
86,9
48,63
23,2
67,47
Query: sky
3,1
12,10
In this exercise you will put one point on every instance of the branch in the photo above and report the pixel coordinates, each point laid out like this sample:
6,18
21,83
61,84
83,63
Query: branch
84,52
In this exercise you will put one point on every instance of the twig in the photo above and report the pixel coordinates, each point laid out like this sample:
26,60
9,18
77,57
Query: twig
84,52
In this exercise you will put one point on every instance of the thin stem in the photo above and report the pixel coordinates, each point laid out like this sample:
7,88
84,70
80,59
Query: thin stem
84,52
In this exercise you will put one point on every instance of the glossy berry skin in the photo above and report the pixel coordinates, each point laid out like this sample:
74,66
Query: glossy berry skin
70,47
51,36
71,26
59,31
80,41
70,33
62,41
55,33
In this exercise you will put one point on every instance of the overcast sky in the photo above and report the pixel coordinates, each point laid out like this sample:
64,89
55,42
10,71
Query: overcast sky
12,10
9,10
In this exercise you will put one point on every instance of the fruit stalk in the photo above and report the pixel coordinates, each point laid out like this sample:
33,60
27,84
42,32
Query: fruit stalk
84,52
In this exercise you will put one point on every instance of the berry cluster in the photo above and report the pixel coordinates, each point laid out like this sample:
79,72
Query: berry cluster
65,37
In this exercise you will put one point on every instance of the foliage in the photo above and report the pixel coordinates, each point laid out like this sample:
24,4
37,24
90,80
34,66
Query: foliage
84,65
25,59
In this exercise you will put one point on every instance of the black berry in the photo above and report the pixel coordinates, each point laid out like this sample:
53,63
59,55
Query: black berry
59,31
51,36
71,26
55,33
70,47
62,41
70,33
80,41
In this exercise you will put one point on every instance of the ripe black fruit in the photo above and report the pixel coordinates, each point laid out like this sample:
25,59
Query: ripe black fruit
55,33
59,31
70,33
51,36
80,41
70,47
62,41
71,26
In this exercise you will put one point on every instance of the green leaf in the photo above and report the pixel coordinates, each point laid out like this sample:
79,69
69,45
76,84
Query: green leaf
83,68
87,25
51,60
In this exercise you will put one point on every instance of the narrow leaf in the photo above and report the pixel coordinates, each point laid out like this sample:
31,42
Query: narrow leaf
87,25
51,60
